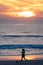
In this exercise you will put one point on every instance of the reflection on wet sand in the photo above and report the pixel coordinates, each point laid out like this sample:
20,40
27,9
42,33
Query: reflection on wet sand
28,57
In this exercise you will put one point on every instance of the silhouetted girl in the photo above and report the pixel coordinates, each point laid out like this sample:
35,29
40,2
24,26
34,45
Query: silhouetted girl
23,54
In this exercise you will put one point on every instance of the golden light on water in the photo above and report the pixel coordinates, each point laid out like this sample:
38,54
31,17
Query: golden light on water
34,57
28,57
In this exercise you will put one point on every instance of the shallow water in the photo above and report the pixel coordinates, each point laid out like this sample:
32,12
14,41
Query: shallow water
14,37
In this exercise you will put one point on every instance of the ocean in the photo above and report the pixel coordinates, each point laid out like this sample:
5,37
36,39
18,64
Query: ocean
14,37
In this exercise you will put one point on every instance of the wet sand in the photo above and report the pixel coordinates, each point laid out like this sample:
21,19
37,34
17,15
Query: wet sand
24,62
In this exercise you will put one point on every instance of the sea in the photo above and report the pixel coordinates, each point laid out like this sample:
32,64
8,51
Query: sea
14,37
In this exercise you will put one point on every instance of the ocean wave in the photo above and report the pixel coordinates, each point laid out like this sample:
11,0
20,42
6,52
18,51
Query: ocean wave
21,35
19,46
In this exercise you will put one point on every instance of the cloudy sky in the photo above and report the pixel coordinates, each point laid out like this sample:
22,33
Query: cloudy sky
21,8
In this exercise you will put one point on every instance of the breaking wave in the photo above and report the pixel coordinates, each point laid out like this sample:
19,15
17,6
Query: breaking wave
21,35
19,46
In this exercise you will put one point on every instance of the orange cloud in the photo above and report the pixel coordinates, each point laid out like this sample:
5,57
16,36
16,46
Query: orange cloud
3,8
14,7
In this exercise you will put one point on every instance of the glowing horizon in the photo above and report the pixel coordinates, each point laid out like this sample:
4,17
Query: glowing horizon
22,8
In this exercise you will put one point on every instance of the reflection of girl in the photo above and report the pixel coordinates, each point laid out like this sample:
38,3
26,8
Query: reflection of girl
23,54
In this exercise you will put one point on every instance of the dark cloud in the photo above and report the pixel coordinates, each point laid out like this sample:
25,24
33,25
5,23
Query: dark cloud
16,20
3,8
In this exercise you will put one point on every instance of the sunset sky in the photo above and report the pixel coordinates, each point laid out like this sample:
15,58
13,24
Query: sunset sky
21,8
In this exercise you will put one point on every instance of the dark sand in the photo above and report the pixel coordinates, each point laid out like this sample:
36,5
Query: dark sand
18,62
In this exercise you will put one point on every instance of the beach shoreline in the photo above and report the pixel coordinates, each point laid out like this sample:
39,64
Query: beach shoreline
28,57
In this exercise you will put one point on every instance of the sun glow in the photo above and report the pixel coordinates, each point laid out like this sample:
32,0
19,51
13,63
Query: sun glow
22,8
26,14
21,14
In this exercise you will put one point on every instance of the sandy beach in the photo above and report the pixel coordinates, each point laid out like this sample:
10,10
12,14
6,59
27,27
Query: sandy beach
18,62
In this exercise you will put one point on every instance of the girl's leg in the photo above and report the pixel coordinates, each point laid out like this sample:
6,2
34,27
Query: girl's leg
21,58
25,58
